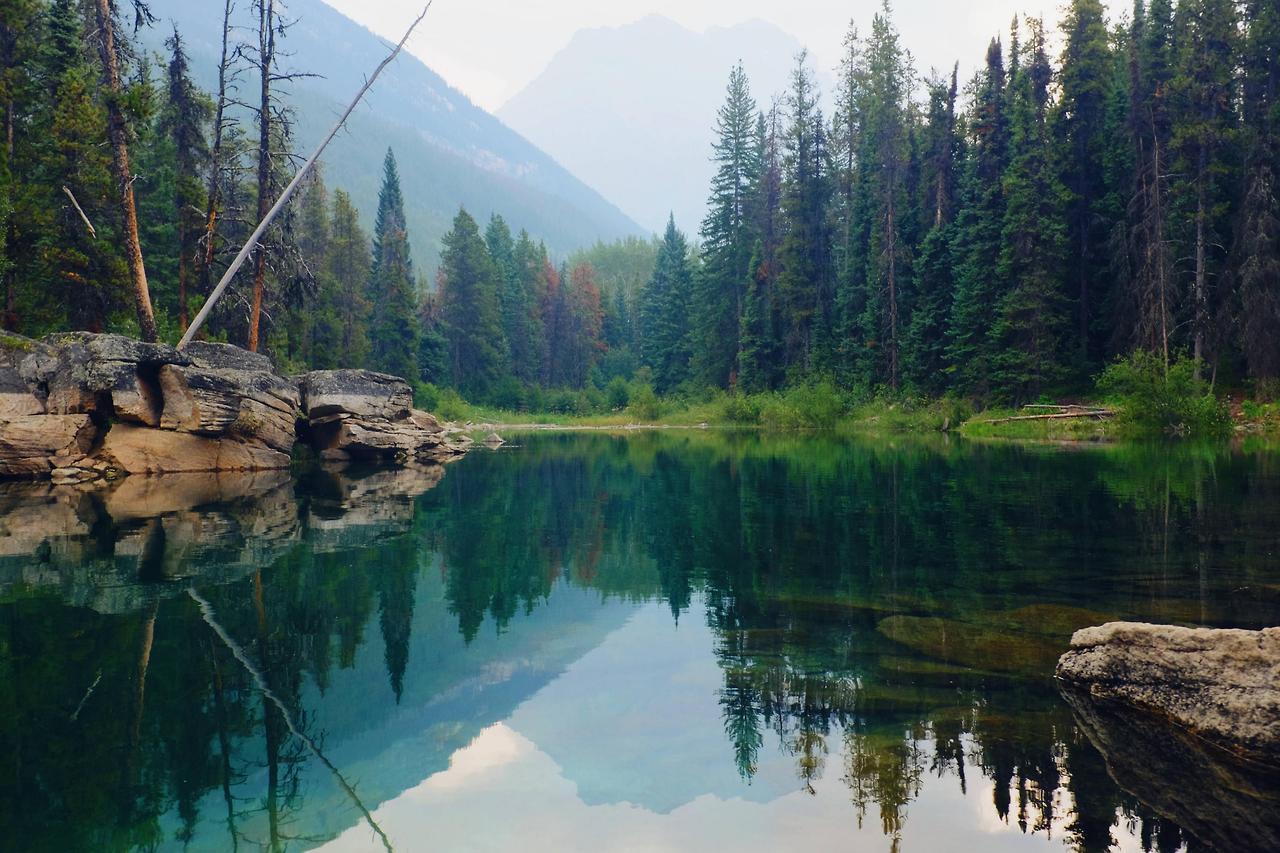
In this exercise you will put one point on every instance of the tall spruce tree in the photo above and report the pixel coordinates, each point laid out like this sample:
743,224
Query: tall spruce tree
1148,315
727,237
347,264
924,359
664,311
1256,256
804,288
978,240
1031,317
469,311
1205,92
1081,133
391,291
521,312
185,119
885,142
502,249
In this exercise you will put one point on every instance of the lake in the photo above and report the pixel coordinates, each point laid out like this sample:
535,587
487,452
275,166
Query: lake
686,640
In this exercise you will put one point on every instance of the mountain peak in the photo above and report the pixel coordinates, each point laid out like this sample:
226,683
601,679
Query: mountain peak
631,109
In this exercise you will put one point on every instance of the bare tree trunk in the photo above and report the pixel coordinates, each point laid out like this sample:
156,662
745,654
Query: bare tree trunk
1201,272
118,133
1162,279
214,195
266,57
11,294
893,296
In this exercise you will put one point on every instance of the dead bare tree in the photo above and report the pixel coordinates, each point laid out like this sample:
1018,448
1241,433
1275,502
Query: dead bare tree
118,133
265,220
227,73
268,22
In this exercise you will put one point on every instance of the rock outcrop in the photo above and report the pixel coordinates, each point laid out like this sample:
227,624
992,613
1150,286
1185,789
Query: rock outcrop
79,406
361,415
1222,685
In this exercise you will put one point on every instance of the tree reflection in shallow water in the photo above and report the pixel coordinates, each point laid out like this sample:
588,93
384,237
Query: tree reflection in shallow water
884,614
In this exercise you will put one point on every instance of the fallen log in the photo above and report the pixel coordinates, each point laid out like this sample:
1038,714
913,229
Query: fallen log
1101,414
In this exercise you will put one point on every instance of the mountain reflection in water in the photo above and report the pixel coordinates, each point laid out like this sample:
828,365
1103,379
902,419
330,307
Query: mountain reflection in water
667,641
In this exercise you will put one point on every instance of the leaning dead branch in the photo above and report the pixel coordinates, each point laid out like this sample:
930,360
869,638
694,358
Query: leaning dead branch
254,239
83,218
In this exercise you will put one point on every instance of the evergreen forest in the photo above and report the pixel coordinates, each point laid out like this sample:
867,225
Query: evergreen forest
1099,187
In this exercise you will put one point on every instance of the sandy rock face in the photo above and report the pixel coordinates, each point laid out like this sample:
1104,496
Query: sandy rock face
1221,684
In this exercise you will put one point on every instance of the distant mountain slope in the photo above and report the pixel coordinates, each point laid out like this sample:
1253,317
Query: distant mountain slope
631,110
450,151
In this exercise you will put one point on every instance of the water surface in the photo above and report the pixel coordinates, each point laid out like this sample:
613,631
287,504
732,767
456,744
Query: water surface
682,641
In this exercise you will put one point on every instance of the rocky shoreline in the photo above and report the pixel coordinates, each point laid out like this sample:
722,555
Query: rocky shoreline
1188,721
80,407
1222,685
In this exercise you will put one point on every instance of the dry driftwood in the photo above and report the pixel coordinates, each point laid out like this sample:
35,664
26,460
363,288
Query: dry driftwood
1083,413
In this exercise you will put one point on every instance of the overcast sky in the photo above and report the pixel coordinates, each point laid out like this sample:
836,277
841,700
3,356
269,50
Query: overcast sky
489,49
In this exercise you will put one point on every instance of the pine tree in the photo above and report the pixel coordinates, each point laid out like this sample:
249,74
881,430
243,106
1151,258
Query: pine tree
521,315
1256,256
184,120
804,285
502,248
665,312
1152,296
726,237
760,333
978,240
1081,131
347,265
394,328
885,143
756,339
86,278
924,360
469,311
111,52
1031,316
18,44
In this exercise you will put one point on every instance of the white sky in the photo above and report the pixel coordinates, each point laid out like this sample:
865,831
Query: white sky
489,49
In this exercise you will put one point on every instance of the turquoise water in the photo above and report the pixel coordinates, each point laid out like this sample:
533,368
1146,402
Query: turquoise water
663,641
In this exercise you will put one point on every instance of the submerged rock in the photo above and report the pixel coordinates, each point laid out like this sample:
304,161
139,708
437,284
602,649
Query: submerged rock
976,646
1223,685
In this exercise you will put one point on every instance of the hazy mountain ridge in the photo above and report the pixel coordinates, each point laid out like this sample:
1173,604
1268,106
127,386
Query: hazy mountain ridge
631,109
450,151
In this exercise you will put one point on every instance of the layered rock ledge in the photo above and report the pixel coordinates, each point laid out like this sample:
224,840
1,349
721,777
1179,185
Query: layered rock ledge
1222,685
77,407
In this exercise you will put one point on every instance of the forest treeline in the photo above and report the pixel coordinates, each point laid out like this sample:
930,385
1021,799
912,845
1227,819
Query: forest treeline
1002,238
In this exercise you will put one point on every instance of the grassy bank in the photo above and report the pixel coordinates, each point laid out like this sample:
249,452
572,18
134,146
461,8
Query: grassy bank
1146,400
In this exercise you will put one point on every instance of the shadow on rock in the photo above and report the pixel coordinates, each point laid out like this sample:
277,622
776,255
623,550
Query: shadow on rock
1228,801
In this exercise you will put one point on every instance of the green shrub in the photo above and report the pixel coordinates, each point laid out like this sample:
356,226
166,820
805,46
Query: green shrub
426,396
617,394
740,409
508,393
451,407
644,404
1155,403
